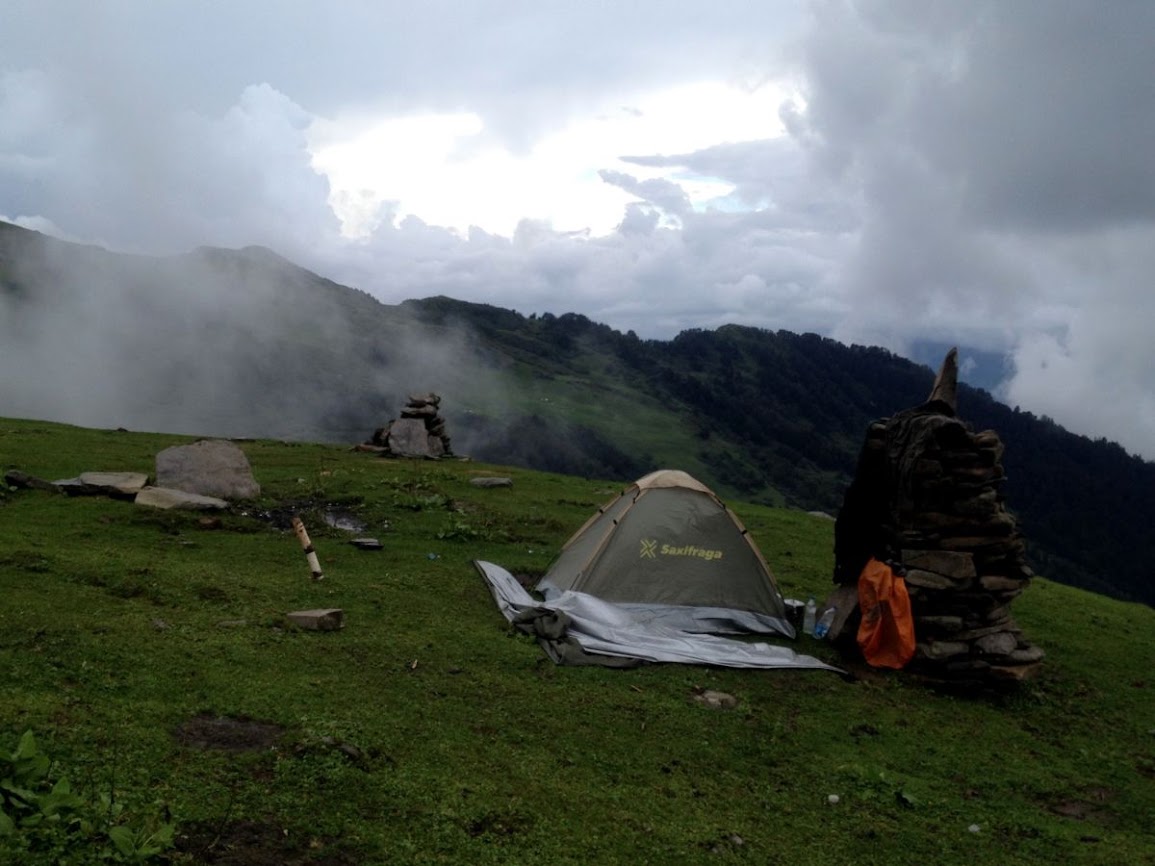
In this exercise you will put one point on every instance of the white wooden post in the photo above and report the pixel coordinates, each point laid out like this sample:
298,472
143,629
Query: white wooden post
307,546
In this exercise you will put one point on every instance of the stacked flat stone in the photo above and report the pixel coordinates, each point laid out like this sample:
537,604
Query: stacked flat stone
419,433
424,407
961,549
926,495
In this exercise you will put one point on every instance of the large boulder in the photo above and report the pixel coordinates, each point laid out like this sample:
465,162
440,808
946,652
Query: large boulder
210,467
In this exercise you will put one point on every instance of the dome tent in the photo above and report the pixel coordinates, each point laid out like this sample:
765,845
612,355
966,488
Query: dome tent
670,552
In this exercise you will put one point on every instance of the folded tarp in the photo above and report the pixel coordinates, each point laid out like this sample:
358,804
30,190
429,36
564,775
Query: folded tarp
577,628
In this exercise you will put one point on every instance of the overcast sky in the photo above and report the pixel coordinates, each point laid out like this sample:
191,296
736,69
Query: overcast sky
883,172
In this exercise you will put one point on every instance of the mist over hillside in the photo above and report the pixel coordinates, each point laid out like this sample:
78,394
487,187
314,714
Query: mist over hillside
215,342
245,343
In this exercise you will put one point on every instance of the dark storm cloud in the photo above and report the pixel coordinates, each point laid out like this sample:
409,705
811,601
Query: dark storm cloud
522,64
994,156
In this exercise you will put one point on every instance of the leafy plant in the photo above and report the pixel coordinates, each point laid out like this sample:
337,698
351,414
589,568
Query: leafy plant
44,820
141,844
420,502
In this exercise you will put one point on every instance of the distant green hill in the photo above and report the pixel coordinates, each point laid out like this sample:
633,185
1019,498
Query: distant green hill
244,343
778,418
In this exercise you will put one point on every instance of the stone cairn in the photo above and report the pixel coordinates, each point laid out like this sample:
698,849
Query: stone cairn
420,432
926,497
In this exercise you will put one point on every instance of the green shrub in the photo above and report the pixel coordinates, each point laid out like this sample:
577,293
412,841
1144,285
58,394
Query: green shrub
42,820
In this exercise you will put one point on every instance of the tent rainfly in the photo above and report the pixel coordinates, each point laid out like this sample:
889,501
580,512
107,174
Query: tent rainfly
670,552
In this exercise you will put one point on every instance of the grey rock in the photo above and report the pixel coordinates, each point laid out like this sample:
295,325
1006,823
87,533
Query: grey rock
998,644
998,583
491,482
996,615
973,633
983,504
72,486
954,564
210,467
165,498
1027,655
408,438
937,650
946,382
716,700
928,579
16,478
1015,672
125,483
323,619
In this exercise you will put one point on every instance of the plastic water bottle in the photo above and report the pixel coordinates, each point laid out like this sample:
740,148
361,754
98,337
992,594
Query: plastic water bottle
824,623
808,616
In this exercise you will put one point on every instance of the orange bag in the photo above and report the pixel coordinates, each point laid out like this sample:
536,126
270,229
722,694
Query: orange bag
886,633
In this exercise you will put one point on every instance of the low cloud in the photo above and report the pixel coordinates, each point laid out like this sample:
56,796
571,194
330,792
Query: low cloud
215,343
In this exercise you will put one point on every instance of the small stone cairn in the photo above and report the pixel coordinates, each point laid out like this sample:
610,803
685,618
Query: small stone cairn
926,496
420,432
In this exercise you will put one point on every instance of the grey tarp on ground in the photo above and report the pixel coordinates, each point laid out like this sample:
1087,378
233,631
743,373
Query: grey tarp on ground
601,628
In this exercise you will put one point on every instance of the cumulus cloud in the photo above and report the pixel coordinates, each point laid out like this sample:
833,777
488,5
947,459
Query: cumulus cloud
962,173
663,194
991,153
134,175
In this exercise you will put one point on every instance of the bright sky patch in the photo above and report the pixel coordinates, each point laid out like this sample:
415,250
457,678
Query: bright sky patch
443,169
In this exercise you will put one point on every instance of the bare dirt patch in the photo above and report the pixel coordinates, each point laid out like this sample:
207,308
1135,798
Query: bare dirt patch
255,843
1091,807
314,511
230,734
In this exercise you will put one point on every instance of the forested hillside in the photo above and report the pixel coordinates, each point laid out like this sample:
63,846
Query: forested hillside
779,418
245,343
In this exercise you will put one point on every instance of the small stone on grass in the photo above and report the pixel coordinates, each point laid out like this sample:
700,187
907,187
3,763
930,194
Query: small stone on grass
325,619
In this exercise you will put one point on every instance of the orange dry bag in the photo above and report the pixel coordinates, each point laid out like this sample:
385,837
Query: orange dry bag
886,634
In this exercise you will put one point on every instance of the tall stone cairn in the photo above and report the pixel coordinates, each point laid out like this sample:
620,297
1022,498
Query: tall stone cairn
424,407
926,496
419,433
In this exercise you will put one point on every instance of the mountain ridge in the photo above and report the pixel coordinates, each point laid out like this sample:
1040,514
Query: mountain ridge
247,343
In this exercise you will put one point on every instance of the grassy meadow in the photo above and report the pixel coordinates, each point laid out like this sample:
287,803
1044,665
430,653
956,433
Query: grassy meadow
148,654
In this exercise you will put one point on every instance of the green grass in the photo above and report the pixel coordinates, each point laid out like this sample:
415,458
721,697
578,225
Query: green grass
427,731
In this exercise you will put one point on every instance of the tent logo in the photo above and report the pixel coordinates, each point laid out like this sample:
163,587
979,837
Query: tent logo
650,550
691,550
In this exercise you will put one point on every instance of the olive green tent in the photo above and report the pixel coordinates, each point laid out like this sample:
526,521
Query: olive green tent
671,552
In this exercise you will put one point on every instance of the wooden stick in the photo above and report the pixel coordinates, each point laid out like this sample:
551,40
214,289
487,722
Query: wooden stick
307,546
